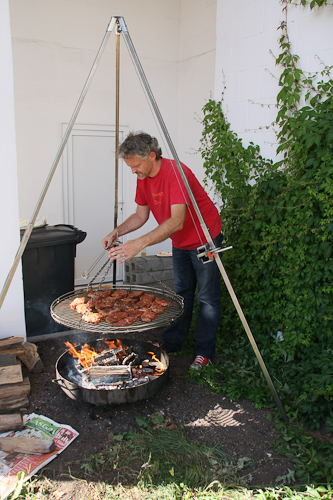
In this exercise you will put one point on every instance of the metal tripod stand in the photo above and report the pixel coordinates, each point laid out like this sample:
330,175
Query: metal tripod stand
210,251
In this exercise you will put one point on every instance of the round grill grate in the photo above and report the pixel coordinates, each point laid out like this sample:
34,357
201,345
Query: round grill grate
64,315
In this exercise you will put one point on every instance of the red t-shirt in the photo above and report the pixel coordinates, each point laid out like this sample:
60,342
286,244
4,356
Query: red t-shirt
167,188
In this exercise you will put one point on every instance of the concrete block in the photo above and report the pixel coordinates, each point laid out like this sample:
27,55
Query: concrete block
144,278
151,263
166,285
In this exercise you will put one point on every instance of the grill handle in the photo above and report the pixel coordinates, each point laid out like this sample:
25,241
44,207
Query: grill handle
64,387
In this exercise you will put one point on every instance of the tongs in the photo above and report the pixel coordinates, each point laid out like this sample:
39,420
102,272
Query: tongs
112,242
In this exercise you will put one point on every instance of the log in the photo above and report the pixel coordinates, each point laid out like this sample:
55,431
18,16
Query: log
11,374
10,341
24,444
122,372
142,372
30,358
18,389
13,403
12,350
7,360
13,422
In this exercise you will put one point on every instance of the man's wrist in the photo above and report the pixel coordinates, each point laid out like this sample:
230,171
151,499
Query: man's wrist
144,242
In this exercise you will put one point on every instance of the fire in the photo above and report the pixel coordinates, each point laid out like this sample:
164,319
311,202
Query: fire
85,356
113,344
160,369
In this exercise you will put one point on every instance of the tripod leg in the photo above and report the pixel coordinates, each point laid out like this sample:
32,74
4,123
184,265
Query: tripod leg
250,336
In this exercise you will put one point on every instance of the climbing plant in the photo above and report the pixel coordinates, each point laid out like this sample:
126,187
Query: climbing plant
279,216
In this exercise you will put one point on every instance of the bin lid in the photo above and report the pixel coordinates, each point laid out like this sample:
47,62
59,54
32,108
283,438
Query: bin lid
60,234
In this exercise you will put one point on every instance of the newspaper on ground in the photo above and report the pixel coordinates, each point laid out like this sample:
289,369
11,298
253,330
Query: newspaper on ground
35,426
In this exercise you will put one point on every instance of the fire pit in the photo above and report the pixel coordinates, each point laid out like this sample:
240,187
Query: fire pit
112,372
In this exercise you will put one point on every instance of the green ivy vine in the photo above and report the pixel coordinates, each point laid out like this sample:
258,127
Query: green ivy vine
279,216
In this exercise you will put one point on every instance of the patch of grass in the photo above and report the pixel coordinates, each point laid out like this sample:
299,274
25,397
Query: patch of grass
161,454
42,489
159,462
26,489
311,453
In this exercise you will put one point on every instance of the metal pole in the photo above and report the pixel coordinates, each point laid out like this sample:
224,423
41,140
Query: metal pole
117,142
250,336
199,215
29,229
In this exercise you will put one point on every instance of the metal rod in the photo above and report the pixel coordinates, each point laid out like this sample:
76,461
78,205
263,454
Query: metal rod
117,142
29,229
250,336
199,215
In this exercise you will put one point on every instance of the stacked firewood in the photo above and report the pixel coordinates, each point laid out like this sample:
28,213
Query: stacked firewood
14,386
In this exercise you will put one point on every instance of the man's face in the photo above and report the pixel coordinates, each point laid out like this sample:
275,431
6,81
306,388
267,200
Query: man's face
142,168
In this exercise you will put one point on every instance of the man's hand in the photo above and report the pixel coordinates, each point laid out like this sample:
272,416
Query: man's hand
131,248
128,250
110,239
135,221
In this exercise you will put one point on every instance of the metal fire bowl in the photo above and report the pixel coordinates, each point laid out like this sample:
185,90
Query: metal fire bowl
63,314
114,396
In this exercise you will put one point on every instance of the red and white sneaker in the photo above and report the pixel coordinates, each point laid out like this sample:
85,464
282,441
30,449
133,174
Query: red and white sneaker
199,362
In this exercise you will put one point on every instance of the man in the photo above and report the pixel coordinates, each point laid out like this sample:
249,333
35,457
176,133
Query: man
161,190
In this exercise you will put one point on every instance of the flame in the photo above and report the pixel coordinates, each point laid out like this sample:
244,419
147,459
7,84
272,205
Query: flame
160,369
113,344
85,356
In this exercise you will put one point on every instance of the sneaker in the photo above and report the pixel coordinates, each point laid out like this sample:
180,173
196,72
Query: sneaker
199,362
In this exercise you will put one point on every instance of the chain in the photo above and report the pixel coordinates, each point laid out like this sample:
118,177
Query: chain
98,272
112,241
99,285
89,285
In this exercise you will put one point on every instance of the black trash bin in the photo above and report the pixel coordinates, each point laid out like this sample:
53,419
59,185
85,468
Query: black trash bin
48,272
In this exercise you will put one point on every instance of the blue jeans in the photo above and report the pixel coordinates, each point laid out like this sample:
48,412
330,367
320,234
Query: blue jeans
189,272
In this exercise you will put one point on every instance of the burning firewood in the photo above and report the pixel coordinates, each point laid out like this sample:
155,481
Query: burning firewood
118,372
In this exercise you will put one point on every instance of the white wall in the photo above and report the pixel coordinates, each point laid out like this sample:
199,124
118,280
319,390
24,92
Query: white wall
12,313
197,44
54,45
247,41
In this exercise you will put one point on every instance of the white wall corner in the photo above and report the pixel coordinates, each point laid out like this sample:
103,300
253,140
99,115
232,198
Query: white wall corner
12,321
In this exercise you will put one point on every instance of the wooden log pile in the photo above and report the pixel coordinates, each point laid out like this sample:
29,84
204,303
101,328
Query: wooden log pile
14,387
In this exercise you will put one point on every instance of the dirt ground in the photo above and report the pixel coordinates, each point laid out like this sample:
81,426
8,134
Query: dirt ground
236,427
